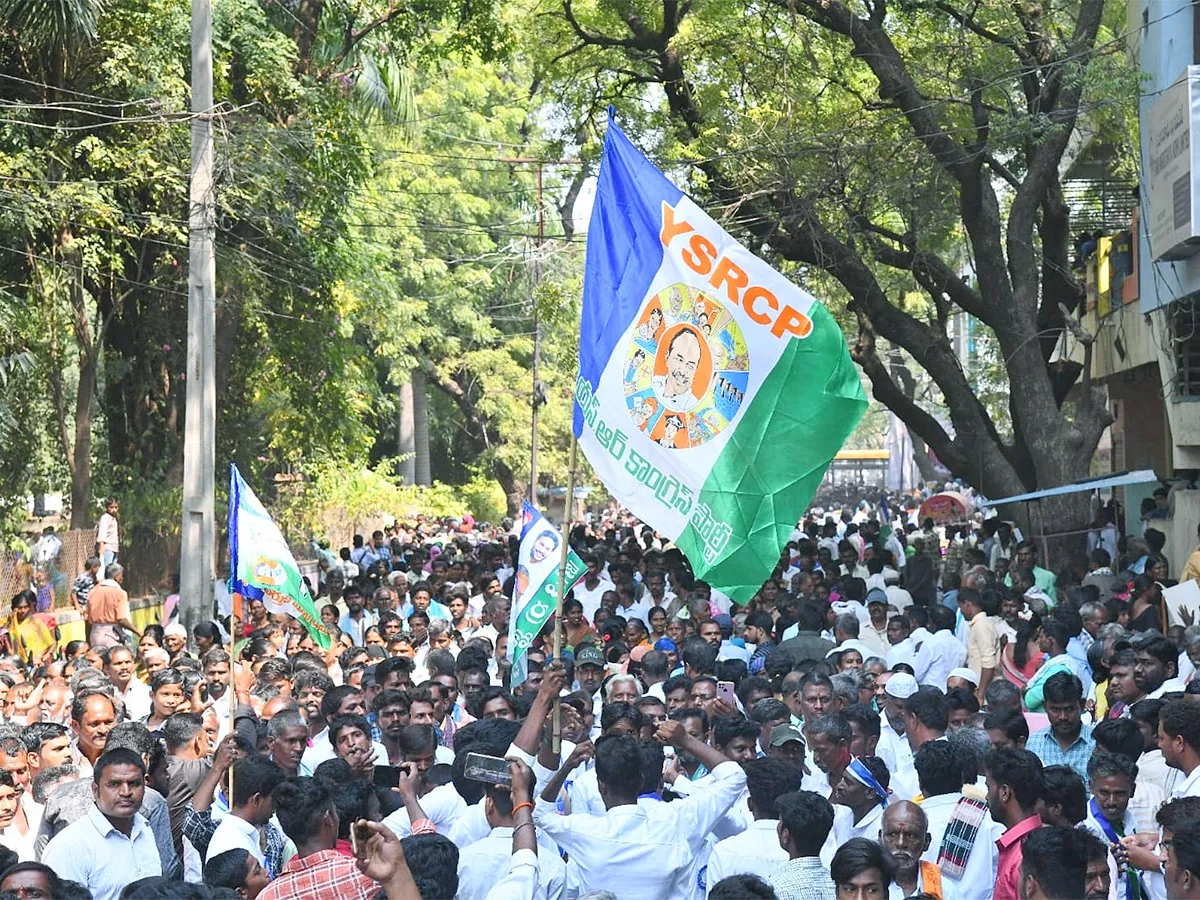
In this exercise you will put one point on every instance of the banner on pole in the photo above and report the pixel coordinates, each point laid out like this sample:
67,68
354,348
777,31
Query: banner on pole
261,567
535,594
712,392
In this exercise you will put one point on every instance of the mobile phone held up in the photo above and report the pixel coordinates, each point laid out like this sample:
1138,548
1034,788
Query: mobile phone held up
488,769
725,693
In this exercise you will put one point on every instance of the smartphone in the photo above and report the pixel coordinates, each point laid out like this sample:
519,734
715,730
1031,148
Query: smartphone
725,692
387,776
488,769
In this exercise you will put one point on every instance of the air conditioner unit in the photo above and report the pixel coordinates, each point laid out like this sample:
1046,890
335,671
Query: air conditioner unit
1173,169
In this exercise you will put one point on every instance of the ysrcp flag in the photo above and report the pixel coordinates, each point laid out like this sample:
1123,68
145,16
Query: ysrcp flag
535,595
712,392
261,567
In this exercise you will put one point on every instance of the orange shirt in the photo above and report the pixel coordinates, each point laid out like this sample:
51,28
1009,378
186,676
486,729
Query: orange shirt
107,604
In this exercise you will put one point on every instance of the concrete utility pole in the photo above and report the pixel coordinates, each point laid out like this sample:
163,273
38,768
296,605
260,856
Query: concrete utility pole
196,567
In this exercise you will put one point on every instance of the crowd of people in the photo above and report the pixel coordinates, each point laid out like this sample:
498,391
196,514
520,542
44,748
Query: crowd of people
901,710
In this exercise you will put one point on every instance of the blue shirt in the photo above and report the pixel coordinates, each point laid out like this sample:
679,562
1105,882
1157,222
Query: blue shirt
95,854
435,611
1043,745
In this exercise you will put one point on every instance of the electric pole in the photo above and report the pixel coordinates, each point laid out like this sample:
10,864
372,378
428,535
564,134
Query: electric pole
196,568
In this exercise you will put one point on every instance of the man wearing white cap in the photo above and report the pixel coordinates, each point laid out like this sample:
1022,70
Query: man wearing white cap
893,747
962,678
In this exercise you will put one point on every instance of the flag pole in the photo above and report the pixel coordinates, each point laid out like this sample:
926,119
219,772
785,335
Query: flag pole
569,508
232,689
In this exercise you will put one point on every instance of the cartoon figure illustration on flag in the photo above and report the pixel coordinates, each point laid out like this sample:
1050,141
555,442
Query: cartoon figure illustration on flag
535,594
261,567
712,392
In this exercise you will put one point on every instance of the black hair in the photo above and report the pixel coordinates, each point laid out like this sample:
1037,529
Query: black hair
742,887
939,770
834,726
767,780
677,682
1106,765
768,709
52,879
1009,721
254,775
652,756
491,737
865,716
37,733
1020,770
858,855
691,712
118,757
129,736
619,764
80,703
1161,648
1120,736
726,728
1057,857
163,677
1178,718
612,713
808,818
228,869
1148,711
180,729
386,667
333,699
483,698
929,705
1063,687
309,678
961,698
300,805
1062,786
337,723
433,861
699,655
1174,813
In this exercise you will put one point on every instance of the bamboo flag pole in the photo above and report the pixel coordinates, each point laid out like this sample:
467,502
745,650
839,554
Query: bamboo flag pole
556,740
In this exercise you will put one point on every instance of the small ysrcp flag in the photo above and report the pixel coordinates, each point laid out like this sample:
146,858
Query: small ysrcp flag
261,566
712,392
535,595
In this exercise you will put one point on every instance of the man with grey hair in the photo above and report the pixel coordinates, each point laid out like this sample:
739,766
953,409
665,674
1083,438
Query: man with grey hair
845,689
287,739
47,781
74,800
905,835
108,611
1095,617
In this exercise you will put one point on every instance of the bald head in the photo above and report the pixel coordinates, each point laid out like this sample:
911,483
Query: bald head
905,834
274,705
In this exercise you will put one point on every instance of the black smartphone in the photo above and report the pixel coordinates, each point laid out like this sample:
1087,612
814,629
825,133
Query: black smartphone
488,769
387,776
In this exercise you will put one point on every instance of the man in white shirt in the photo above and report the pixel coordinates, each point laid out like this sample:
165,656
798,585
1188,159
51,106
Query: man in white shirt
440,805
968,861
901,649
941,652
489,858
756,850
1179,740
119,666
591,589
641,850
343,700
113,845
254,780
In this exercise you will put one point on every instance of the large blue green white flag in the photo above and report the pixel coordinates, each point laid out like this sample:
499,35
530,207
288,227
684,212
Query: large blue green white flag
535,596
261,566
712,392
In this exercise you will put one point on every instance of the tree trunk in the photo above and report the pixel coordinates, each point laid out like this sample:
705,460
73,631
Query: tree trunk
420,407
515,489
406,440
81,481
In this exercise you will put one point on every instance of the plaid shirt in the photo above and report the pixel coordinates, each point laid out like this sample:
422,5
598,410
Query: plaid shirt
1043,745
199,827
327,875
806,878
959,837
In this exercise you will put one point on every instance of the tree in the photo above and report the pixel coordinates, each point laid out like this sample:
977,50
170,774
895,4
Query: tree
888,150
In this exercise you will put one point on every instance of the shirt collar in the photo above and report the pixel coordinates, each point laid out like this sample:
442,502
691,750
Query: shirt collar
1018,831
298,863
105,827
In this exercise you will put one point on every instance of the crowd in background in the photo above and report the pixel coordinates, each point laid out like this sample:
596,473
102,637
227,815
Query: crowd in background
901,710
